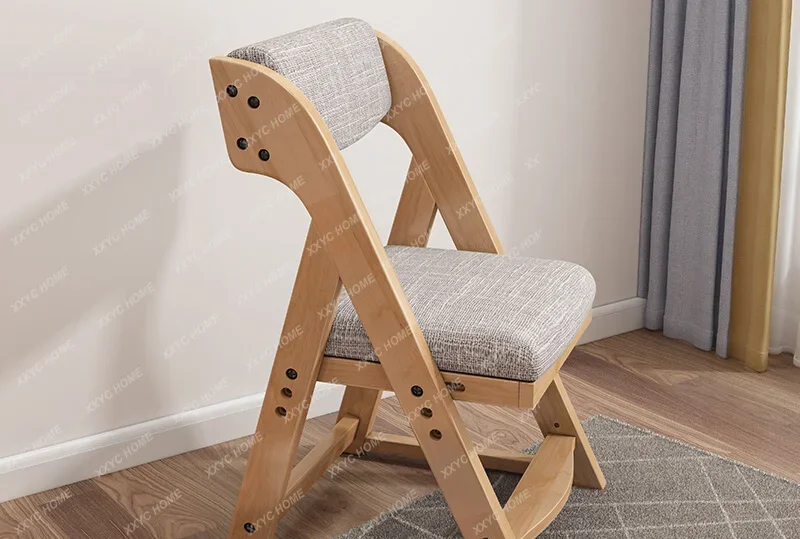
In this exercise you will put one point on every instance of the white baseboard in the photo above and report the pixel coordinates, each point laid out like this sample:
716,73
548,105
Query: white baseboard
61,464
112,451
615,318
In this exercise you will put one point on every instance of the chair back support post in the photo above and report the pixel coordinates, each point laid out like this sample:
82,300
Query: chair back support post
303,156
415,115
416,210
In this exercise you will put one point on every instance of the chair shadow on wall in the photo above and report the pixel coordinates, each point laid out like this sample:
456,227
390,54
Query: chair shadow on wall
94,303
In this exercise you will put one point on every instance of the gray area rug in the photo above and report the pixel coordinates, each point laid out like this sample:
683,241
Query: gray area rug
658,488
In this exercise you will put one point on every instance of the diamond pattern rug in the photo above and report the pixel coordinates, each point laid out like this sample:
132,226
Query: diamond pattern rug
658,488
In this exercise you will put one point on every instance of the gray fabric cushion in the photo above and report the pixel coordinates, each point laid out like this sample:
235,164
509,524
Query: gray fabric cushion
489,315
338,65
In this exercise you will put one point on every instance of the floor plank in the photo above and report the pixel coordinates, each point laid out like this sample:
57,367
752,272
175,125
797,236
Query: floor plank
640,377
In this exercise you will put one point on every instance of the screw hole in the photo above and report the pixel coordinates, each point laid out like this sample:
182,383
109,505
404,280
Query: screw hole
242,143
232,90
249,528
456,387
263,155
416,391
436,434
286,392
253,102
291,374
426,412
281,411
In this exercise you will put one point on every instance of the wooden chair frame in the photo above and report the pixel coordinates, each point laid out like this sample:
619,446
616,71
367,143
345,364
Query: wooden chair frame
304,156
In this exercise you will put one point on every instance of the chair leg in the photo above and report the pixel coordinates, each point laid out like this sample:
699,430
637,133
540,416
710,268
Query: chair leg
263,498
555,415
361,403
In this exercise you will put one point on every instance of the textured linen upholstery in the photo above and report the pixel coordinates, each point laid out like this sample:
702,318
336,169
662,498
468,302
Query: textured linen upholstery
338,66
483,314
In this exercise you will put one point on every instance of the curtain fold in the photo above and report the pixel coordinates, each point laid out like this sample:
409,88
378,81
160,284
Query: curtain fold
691,167
785,324
759,182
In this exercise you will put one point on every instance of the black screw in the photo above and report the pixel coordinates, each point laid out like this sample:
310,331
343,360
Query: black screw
291,374
436,434
263,155
253,102
416,391
426,412
233,92
556,425
242,143
248,526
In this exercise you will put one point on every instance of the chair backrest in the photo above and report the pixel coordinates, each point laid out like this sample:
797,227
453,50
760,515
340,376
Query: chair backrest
335,82
338,66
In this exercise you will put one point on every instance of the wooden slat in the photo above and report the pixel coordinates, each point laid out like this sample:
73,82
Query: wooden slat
412,224
362,403
408,447
317,461
416,116
556,415
270,463
416,210
366,374
544,488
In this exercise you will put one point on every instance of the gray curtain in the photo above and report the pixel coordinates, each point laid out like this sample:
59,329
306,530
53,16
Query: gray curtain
691,167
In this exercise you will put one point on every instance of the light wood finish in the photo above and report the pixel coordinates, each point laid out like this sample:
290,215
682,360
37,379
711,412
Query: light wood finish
412,224
759,181
547,483
555,415
304,148
353,373
395,445
416,210
641,377
416,117
465,387
297,148
362,403
268,471
319,459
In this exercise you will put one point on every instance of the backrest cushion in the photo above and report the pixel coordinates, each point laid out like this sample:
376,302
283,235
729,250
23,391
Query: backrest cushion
338,65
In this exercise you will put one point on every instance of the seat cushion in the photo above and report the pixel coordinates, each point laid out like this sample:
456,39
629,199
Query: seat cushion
483,314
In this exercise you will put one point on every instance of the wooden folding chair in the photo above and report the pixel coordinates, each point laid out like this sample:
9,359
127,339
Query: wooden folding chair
500,327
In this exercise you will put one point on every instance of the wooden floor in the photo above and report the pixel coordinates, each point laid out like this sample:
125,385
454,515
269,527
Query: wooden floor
640,377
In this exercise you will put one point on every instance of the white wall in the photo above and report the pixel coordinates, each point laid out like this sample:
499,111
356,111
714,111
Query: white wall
109,123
